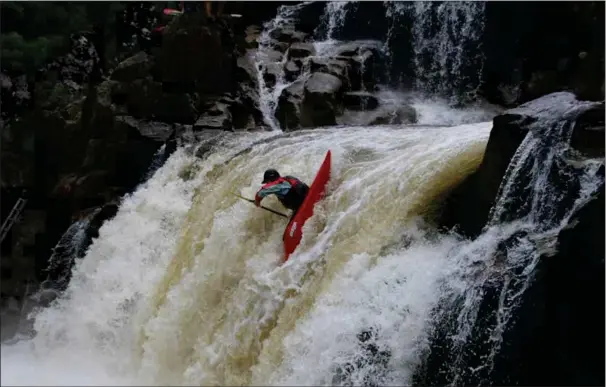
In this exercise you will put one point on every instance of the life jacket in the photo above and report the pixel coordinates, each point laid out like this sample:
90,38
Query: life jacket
295,196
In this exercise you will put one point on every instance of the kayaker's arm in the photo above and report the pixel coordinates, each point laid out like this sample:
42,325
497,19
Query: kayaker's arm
281,189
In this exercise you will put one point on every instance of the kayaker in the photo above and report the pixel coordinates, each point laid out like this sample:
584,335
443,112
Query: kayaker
218,5
288,189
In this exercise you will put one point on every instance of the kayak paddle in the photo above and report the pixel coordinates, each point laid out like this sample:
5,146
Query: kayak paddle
263,207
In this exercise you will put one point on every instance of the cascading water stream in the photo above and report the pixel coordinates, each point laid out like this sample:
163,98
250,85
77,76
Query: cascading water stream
332,19
267,60
446,55
183,287
530,210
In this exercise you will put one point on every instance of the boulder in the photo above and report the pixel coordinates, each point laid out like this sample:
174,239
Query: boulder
246,71
136,67
197,56
174,108
401,115
291,71
301,50
363,73
278,46
271,56
299,37
288,112
99,154
271,74
288,34
217,117
469,204
322,100
247,107
339,67
243,115
359,47
156,131
322,86
206,140
360,101
91,184
251,37
588,136
560,218
139,97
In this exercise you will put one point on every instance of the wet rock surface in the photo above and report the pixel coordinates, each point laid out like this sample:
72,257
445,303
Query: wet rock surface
335,80
90,135
542,344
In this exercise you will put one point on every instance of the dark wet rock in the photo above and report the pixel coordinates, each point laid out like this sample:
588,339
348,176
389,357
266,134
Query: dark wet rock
292,70
73,245
279,46
246,109
244,117
540,344
399,115
355,48
469,204
299,36
288,34
246,71
206,141
301,50
217,117
572,59
251,37
212,72
157,131
588,136
339,67
363,73
139,97
86,139
288,112
323,86
360,101
175,108
568,317
358,60
271,73
271,56
322,100
136,67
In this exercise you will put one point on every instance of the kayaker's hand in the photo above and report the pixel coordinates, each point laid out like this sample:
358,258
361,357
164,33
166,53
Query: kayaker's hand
257,203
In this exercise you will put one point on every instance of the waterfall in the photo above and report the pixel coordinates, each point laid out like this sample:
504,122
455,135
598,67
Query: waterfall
545,183
446,50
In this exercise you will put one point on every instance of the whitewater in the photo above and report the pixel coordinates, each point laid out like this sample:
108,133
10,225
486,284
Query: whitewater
184,285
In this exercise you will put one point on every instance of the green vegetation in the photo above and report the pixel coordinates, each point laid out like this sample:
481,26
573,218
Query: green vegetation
35,32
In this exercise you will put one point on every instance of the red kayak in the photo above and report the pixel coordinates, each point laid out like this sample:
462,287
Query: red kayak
293,233
171,12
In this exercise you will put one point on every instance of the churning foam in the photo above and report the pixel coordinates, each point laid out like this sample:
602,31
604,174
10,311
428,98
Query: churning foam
183,286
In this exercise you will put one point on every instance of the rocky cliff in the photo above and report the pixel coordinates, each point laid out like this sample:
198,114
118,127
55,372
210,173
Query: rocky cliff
79,138
540,157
